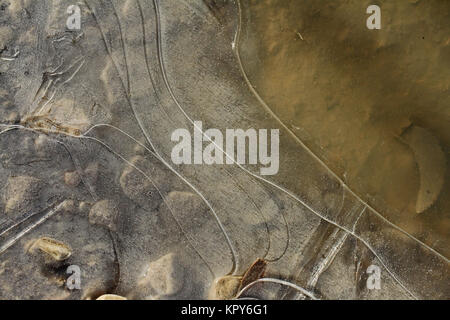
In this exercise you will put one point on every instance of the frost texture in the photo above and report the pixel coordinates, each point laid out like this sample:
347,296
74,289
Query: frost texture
99,105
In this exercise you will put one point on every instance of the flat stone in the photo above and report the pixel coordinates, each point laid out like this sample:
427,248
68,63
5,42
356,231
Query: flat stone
165,276
105,213
22,195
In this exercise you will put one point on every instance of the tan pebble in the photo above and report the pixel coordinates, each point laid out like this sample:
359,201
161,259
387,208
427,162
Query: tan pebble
91,171
105,213
72,179
139,150
127,7
21,194
54,248
431,162
68,205
13,117
41,142
83,207
165,276
6,34
111,297
15,7
139,189
226,288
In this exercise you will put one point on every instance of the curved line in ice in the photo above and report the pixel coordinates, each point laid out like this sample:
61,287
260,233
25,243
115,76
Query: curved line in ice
160,158
261,178
13,127
269,110
281,282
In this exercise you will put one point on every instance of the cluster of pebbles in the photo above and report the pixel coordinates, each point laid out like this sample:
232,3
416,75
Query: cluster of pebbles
60,209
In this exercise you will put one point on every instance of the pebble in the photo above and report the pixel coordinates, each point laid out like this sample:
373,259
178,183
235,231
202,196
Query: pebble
165,276
111,297
105,213
226,288
137,187
55,249
72,179
22,195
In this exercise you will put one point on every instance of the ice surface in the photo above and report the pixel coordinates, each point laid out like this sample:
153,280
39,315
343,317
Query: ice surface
101,104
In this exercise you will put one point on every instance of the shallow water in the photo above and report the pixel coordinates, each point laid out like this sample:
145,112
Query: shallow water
351,93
